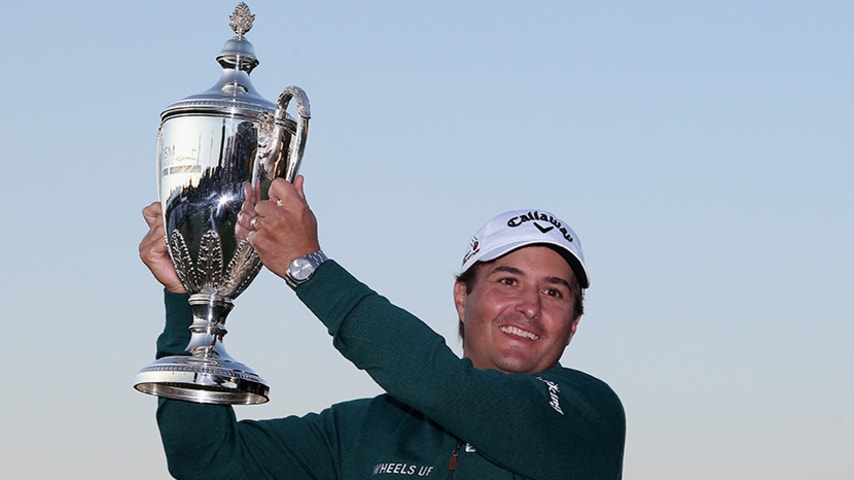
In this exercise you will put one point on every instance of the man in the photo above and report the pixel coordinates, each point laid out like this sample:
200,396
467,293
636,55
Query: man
506,410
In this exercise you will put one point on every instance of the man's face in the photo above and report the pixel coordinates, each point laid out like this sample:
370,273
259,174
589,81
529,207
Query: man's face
518,316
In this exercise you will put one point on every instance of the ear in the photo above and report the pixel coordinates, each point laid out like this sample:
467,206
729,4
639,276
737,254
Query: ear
573,328
460,296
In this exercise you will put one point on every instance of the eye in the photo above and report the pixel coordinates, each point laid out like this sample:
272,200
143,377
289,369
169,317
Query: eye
507,281
554,292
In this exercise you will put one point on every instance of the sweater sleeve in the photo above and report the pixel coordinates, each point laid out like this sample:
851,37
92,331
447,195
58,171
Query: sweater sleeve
204,441
539,426
176,333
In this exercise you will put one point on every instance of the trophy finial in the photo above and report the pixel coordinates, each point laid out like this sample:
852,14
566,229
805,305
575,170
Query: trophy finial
241,20
238,53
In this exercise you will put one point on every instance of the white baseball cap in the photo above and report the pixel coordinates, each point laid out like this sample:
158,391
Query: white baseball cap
520,228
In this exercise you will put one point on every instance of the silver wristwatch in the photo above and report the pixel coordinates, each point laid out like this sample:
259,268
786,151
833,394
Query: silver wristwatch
302,268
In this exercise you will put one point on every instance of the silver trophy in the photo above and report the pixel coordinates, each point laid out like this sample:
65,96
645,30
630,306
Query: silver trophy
217,153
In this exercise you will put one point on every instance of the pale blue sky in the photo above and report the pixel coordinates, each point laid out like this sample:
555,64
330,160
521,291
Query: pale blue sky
702,151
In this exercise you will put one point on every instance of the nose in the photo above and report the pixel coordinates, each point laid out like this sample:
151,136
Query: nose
529,304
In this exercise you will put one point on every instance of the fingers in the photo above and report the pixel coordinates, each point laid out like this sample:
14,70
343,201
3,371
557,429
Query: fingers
153,244
283,191
247,213
154,219
285,227
299,183
154,252
153,214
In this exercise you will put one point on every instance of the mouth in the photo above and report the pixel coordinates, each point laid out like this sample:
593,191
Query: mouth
518,332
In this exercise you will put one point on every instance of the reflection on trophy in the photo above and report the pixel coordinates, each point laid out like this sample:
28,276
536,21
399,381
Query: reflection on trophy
217,154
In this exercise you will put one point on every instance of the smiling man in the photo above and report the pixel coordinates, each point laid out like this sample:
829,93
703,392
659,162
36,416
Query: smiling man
519,296
506,410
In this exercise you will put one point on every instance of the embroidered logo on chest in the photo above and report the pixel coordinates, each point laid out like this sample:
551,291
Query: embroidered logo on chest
554,390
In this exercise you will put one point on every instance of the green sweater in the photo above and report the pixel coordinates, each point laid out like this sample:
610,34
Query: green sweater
441,417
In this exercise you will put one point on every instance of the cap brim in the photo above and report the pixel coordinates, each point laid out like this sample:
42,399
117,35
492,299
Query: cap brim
574,262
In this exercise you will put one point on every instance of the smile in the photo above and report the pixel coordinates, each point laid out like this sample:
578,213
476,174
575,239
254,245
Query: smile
510,330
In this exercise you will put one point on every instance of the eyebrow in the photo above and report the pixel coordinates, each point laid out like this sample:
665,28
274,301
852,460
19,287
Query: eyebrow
516,271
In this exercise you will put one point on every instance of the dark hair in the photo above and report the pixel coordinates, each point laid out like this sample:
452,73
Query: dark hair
470,276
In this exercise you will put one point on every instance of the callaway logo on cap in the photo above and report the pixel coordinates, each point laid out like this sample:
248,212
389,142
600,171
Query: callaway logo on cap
519,228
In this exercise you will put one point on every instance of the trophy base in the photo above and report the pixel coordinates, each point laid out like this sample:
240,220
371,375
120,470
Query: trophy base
203,380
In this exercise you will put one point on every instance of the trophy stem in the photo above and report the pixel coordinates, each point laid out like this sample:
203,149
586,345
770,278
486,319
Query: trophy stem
208,328
208,374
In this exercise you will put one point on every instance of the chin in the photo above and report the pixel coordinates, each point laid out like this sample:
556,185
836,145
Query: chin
515,367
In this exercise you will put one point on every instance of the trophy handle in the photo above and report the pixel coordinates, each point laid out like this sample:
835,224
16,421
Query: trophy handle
297,147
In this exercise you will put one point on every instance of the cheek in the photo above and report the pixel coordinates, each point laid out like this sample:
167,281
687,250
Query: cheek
560,326
472,312
480,310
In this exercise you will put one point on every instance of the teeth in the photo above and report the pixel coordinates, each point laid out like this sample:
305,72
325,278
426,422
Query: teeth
519,332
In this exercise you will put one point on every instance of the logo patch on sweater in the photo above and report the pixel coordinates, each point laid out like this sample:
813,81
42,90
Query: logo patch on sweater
406,469
554,390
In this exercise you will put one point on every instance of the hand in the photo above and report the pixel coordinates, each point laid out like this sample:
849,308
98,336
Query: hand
247,213
154,252
285,227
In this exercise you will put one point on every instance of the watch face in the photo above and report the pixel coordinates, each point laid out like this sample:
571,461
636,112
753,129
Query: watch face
301,269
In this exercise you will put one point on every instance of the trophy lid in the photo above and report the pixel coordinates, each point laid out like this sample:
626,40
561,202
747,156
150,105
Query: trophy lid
234,92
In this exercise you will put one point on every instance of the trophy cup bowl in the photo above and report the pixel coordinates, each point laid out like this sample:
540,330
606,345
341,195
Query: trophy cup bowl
217,153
